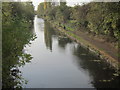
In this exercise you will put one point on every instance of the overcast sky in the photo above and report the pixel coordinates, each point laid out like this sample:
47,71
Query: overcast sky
69,2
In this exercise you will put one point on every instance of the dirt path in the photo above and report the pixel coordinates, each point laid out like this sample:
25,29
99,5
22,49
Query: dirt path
104,49
105,46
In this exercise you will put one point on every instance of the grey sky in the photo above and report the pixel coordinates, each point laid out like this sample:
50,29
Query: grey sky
69,2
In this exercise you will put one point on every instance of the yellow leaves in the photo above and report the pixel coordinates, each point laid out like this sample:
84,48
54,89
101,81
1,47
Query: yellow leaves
6,13
116,74
96,60
83,54
114,26
104,80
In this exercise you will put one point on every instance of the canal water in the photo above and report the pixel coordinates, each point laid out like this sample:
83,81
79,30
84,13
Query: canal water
59,62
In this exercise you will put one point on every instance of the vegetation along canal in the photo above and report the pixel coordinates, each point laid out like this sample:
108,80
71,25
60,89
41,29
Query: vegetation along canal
53,49
59,62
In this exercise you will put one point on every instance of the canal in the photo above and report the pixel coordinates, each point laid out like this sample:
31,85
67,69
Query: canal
59,62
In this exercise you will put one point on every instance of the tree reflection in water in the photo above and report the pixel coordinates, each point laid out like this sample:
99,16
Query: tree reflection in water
49,33
101,73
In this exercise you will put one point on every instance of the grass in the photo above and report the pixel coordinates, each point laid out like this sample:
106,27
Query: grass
97,50
86,44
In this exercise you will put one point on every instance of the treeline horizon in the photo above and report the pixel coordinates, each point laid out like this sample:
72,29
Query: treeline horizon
98,18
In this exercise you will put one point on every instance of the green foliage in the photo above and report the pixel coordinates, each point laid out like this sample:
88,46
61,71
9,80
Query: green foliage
51,13
40,10
17,10
99,18
103,19
62,12
62,3
17,19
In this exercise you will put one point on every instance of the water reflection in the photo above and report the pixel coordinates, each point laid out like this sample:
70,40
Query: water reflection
68,65
15,37
48,33
63,41
102,75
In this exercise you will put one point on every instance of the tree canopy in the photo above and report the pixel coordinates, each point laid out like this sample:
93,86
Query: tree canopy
99,18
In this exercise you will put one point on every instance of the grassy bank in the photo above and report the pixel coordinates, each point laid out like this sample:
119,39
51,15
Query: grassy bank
94,25
100,52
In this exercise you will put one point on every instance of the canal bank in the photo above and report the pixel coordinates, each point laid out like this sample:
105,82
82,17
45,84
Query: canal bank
59,62
101,49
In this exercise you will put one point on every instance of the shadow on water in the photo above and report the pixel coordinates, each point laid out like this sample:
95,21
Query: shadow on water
14,38
103,76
